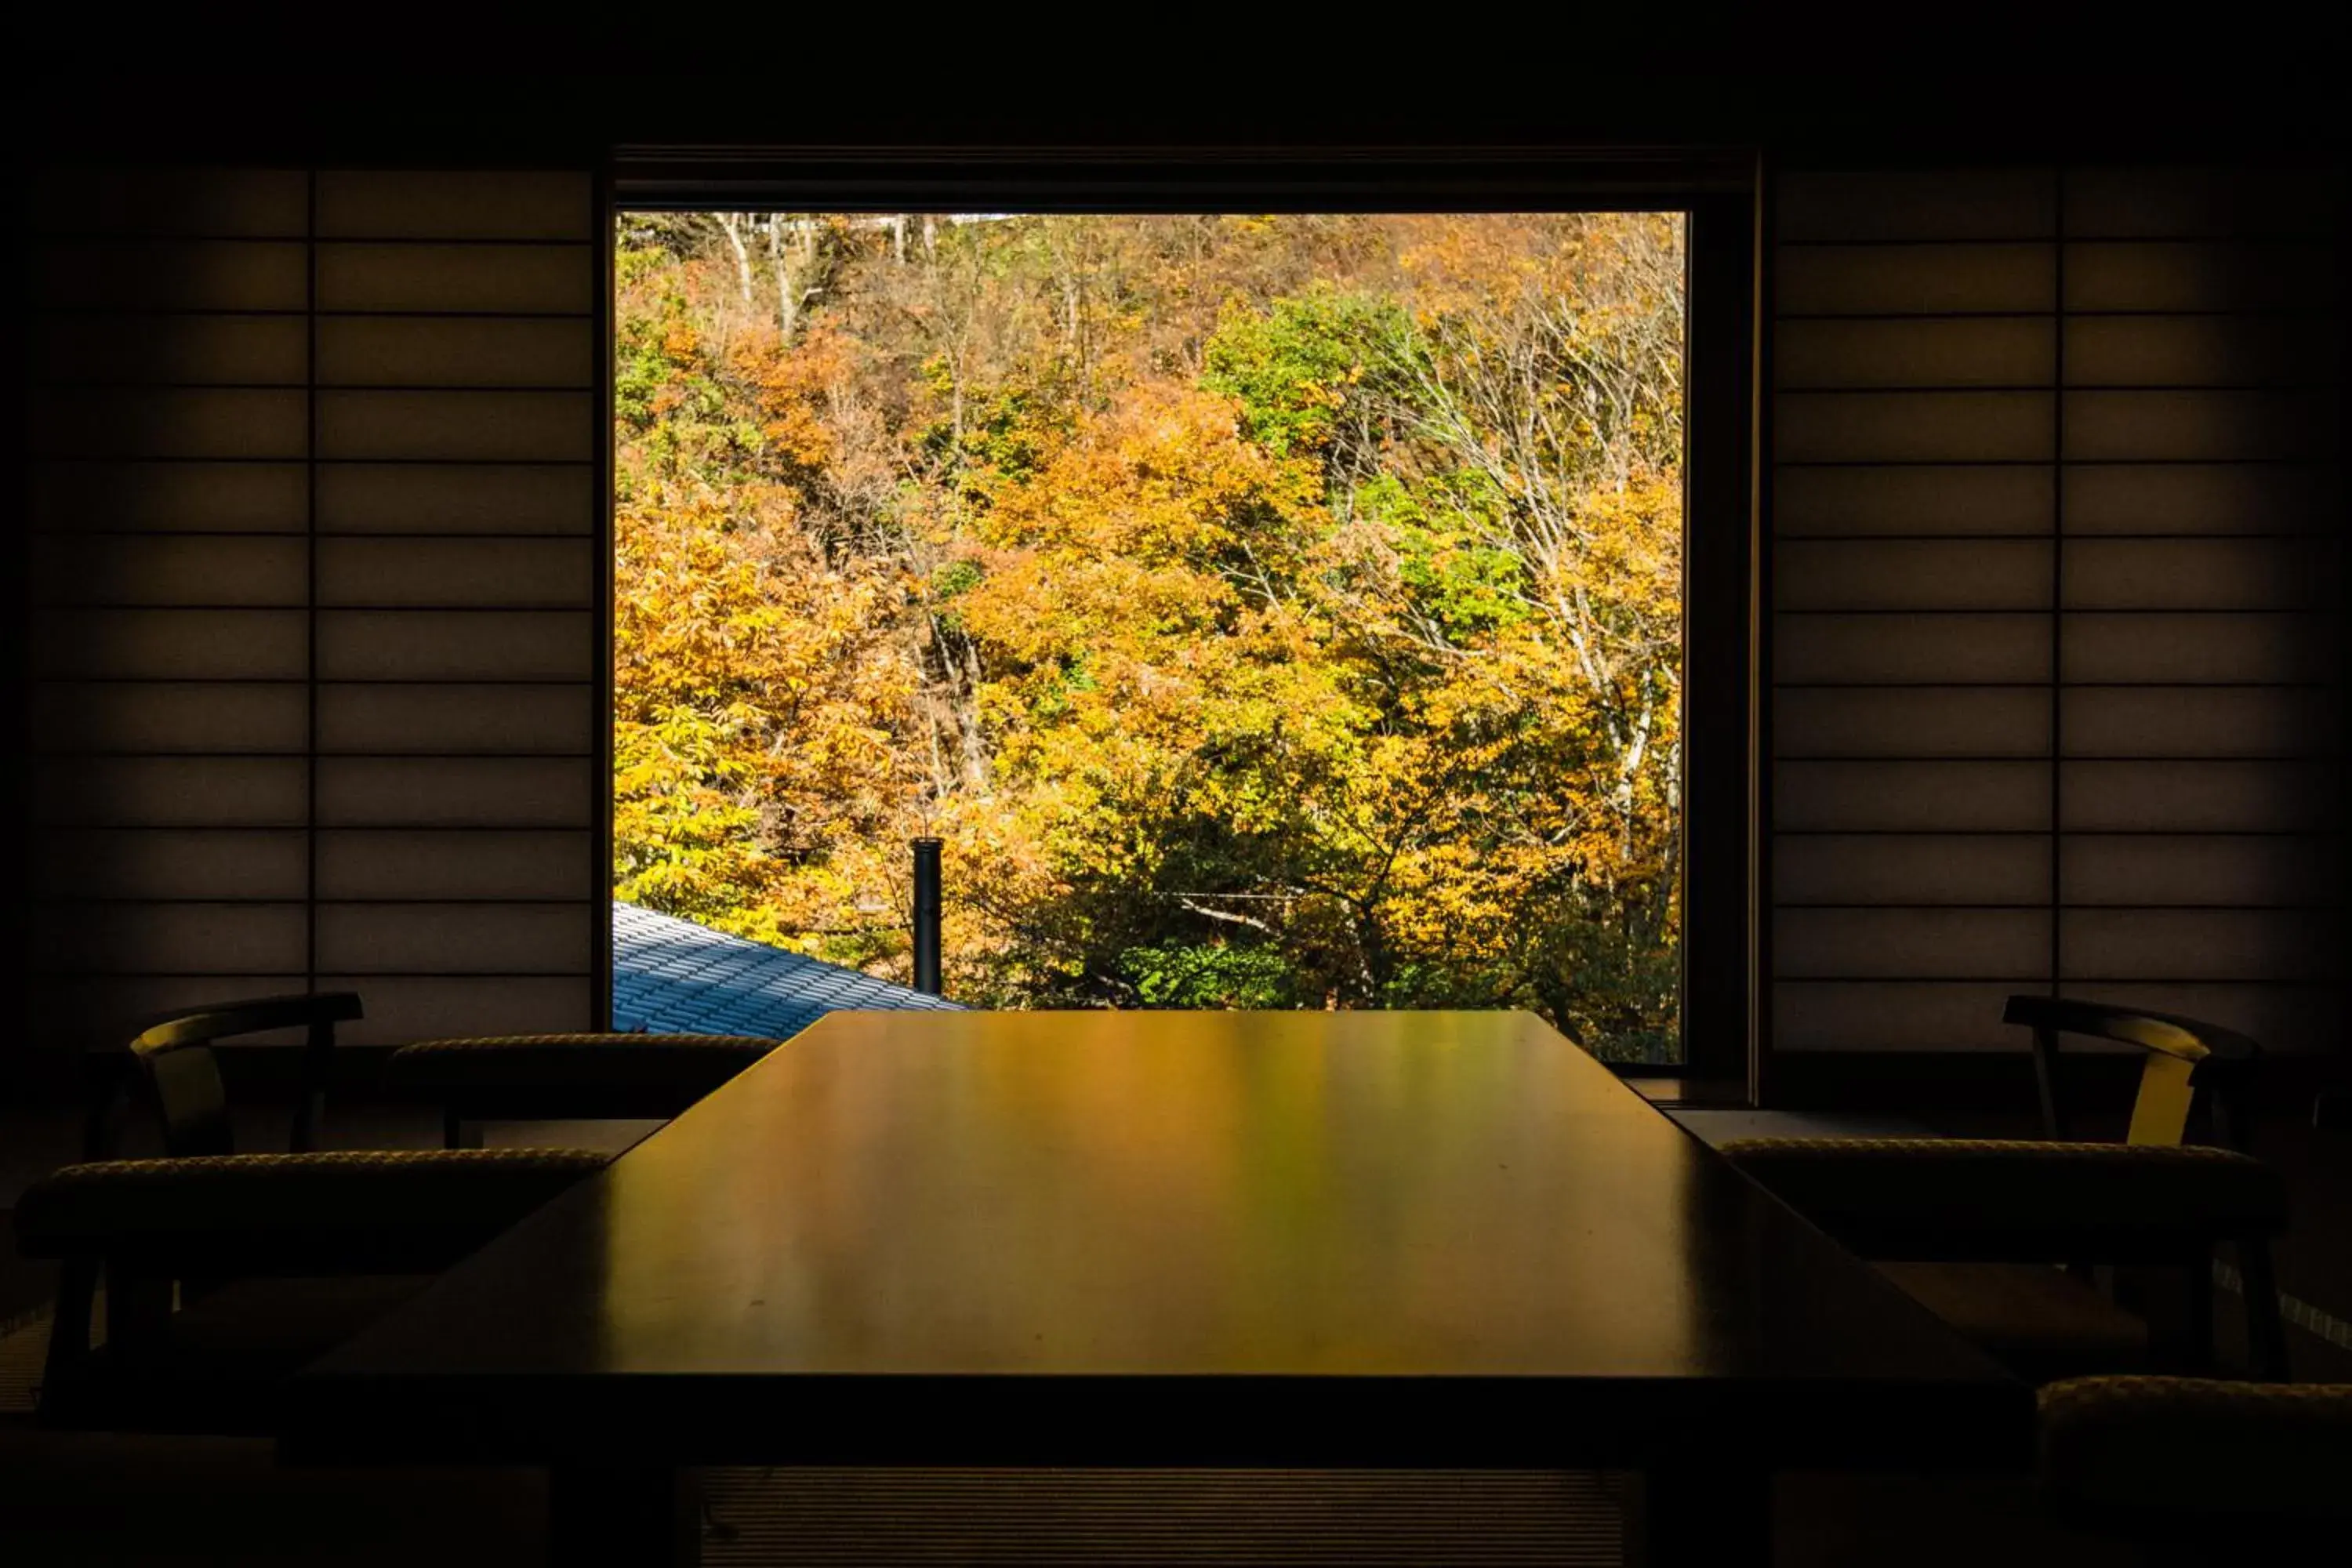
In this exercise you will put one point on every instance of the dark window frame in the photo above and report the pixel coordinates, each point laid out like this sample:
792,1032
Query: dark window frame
1722,998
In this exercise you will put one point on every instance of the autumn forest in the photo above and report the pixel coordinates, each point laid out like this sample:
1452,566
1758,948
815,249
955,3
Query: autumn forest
1266,611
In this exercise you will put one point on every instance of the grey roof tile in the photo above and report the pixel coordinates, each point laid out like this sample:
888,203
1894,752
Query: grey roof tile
673,976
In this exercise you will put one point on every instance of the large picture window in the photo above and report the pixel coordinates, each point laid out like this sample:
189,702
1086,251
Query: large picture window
1264,610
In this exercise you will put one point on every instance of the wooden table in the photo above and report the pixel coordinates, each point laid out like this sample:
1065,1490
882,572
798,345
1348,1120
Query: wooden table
1219,1239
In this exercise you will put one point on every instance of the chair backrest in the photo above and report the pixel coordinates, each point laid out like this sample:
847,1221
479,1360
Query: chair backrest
183,1075
2184,1055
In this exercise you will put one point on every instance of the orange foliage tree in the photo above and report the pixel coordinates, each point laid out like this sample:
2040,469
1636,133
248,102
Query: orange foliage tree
1276,611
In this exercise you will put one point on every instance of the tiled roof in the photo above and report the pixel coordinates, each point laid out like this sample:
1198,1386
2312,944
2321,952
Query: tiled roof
673,976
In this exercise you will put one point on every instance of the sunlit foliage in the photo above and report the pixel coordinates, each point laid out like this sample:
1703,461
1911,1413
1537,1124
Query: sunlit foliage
1267,611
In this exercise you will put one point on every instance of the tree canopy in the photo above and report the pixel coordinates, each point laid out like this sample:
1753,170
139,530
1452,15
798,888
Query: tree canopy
1267,611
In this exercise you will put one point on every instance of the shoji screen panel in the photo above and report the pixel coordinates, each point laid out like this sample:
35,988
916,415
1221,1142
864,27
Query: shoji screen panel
2199,781
2057,695
456,640
316,595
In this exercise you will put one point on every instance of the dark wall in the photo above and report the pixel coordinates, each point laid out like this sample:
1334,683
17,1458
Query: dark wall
477,86
254,103
2057,588
314,560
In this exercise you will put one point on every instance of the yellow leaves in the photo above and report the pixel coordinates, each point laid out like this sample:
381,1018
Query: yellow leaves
1632,533
791,385
972,551
1162,475
1108,595
757,698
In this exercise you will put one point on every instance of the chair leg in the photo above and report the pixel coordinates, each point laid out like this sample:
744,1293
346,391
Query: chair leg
138,1315
69,1327
2197,1329
455,1134
2265,1326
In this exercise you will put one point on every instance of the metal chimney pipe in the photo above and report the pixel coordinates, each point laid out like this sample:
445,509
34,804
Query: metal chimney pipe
927,916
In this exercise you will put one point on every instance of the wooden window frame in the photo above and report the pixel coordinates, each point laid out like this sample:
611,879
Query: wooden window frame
1723,873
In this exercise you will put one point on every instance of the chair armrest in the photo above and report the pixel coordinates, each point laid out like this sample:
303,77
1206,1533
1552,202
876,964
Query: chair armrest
2170,1446
2015,1201
293,1213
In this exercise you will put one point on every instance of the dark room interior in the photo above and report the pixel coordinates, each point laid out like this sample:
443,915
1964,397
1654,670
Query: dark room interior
396,1167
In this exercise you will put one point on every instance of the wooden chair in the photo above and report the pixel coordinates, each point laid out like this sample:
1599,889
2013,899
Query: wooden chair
113,1075
1972,1227
557,1078
2200,1470
2185,1058
187,1225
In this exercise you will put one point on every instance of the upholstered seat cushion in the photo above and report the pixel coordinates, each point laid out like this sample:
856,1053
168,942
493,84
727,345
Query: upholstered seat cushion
391,1209
2174,1445
567,1075
2017,1201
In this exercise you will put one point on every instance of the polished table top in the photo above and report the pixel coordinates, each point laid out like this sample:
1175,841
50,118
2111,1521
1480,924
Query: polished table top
1163,1237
